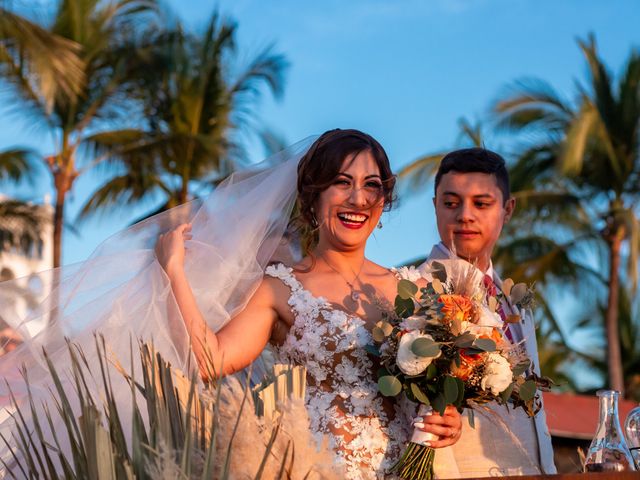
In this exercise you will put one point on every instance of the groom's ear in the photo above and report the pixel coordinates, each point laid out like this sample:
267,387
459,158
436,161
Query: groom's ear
509,208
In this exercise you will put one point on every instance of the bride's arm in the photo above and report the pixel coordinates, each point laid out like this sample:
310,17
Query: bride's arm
239,342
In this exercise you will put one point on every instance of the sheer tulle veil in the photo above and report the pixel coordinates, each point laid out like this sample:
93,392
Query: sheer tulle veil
121,291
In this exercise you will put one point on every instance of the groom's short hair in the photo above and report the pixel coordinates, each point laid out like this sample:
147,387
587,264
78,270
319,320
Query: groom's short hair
476,160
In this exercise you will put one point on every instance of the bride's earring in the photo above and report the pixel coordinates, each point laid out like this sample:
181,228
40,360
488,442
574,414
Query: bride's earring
314,220
379,224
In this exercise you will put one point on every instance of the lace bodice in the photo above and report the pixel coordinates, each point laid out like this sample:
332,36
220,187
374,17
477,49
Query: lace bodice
342,397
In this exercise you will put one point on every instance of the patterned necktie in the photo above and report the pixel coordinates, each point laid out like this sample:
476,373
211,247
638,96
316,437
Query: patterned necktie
492,290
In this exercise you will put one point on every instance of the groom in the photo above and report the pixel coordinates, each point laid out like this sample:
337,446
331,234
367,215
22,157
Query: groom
473,202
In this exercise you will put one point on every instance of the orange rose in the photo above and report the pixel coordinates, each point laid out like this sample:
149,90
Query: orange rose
467,364
496,336
456,307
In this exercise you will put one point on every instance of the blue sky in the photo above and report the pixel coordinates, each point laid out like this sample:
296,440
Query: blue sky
404,71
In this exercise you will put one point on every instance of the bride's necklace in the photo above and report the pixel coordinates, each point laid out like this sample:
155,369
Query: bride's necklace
355,294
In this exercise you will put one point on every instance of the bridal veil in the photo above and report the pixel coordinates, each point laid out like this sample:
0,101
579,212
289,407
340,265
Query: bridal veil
121,291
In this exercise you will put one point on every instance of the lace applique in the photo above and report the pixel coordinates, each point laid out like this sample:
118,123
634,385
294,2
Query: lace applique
342,395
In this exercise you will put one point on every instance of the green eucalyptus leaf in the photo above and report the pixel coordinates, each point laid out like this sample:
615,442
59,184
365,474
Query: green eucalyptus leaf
507,285
439,271
386,327
419,394
471,417
473,351
437,286
373,350
404,307
450,389
389,386
439,404
432,371
460,398
378,334
506,394
518,292
464,340
485,344
527,390
425,347
521,367
407,289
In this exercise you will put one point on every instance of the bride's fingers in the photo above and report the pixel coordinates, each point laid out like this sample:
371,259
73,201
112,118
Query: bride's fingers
447,428
445,436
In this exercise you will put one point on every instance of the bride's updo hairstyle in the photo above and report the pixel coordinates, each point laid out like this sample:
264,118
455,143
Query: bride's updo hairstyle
320,166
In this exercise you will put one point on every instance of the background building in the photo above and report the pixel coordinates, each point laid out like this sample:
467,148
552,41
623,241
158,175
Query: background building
21,264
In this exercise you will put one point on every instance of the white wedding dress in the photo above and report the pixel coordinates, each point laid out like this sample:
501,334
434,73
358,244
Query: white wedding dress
367,431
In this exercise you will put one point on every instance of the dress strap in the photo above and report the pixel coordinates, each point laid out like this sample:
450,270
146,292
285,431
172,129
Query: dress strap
284,273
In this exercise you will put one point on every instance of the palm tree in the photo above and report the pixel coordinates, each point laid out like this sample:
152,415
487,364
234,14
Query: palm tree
416,174
590,148
198,112
21,224
43,65
105,36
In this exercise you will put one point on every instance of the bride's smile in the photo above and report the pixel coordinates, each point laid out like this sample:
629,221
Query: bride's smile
350,208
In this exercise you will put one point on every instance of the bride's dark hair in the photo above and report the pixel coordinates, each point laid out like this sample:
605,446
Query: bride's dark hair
322,163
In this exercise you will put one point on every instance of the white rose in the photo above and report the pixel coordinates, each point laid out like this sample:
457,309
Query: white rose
497,374
407,361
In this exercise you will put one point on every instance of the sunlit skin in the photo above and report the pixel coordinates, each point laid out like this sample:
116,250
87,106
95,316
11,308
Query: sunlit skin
470,213
347,212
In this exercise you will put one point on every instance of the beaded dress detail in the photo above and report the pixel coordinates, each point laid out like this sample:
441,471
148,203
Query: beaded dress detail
366,432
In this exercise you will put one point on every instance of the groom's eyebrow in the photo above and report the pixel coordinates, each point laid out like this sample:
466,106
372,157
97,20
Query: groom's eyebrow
481,196
484,195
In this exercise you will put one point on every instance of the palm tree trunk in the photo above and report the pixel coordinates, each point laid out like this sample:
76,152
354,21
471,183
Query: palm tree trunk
614,357
63,182
58,218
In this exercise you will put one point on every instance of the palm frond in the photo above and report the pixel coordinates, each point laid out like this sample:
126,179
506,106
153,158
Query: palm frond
534,166
530,104
121,192
541,260
471,132
30,53
578,133
550,206
268,68
22,226
17,164
415,176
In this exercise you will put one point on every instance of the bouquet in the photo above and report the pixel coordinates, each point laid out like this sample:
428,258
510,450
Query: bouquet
445,344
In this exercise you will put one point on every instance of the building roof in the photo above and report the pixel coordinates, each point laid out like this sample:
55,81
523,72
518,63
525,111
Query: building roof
576,416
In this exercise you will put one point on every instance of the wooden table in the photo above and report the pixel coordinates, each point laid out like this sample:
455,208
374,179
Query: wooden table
578,476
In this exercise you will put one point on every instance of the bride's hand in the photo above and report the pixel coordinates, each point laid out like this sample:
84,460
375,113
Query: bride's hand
170,248
447,427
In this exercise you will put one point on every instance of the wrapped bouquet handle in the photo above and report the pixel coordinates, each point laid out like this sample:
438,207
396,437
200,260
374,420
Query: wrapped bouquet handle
419,436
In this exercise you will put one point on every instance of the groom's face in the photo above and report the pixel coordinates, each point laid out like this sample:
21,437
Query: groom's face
471,212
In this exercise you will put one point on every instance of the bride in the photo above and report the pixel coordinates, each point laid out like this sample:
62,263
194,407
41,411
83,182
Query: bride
210,288
319,312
